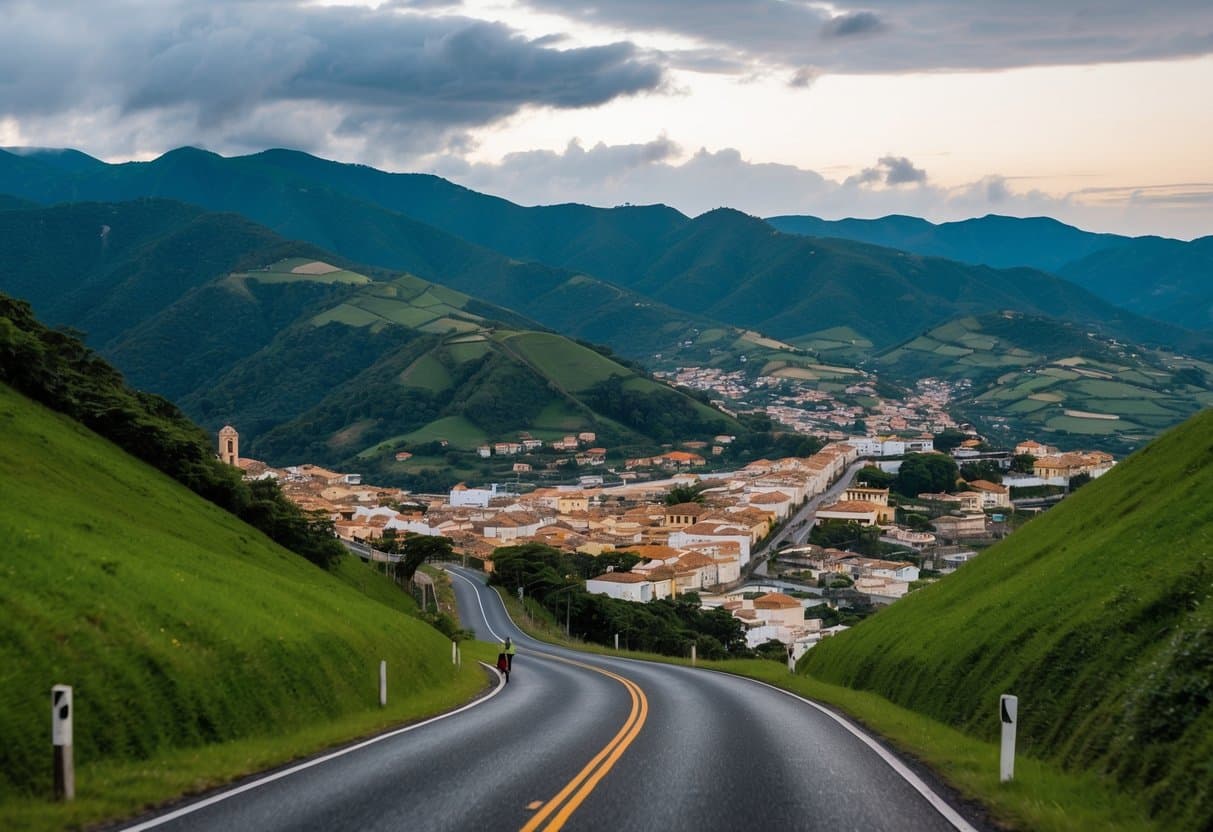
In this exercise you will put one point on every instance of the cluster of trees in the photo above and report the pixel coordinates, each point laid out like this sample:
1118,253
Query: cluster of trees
661,414
762,438
555,580
56,369
918,474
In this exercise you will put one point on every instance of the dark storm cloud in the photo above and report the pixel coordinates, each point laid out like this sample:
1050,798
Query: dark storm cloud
850,25
918,35
220,64
890,170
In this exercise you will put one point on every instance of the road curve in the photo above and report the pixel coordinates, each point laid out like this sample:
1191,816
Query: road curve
586,742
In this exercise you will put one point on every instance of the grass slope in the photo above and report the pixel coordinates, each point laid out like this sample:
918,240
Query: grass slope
1096,615
1047,378
178,626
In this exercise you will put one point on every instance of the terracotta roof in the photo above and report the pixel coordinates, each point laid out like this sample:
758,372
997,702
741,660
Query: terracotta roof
770,497
621,578
852,506
775,601
986,485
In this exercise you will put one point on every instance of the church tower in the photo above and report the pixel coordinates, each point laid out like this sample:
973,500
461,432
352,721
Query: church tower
229,445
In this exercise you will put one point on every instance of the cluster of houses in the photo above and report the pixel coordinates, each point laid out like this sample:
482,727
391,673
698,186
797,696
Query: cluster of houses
1053,467
700,547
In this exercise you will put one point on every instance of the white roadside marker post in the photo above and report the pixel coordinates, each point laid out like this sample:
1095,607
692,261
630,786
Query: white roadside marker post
791,660
454,652
61,739
1008,711
692,655
616,642
383,683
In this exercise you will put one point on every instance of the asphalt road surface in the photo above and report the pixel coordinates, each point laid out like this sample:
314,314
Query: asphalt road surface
592,743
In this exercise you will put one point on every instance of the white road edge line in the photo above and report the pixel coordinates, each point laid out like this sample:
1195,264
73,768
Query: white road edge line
938,803
942,806
213,799
480,603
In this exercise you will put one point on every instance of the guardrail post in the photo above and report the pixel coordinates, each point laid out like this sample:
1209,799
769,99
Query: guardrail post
1008,712
61,739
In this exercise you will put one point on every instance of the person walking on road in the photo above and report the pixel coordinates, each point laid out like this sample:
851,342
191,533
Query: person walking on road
509,653
503,665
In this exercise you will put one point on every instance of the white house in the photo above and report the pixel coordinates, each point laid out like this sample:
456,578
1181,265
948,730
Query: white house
461,495
712,533
625,586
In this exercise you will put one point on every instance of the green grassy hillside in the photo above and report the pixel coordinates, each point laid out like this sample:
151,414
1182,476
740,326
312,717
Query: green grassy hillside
1097,615
1058,382
178,626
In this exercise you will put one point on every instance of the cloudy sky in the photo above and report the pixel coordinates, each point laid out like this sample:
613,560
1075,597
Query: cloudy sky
1095,112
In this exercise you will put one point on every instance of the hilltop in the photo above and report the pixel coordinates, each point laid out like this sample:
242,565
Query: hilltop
1153,276
1096,615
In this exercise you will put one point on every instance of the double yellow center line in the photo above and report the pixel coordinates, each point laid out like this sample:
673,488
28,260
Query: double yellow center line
556,812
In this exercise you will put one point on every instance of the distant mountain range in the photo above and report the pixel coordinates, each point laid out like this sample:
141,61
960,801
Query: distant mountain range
641,279
157,287
1170,280
314,356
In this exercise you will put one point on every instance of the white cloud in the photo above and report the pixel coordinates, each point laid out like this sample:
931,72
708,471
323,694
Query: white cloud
656,172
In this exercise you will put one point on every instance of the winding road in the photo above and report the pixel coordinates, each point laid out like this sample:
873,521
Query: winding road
592,742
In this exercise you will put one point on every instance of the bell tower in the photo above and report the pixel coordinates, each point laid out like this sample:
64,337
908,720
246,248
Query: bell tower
229,445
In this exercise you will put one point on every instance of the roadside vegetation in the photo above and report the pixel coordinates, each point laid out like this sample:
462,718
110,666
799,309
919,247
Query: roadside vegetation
1096,615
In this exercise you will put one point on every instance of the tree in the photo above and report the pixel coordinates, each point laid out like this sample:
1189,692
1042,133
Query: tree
872,476
982,469
948,439
921,473
844,534
683,494
417,549
1023,463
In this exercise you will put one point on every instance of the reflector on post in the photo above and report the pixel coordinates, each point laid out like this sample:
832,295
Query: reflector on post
1008,712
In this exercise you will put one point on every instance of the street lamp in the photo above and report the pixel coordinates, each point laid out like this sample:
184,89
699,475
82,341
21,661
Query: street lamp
568,605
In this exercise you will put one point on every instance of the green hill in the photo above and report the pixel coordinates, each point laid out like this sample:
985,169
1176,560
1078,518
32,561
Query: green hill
313,356
1166,279
341,215
1097,615
736,268
1032,376
178,626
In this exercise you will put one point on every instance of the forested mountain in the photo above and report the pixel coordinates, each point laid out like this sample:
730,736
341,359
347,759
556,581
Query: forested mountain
641,279
299,208
313,356
993,240
726,263
1170,280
